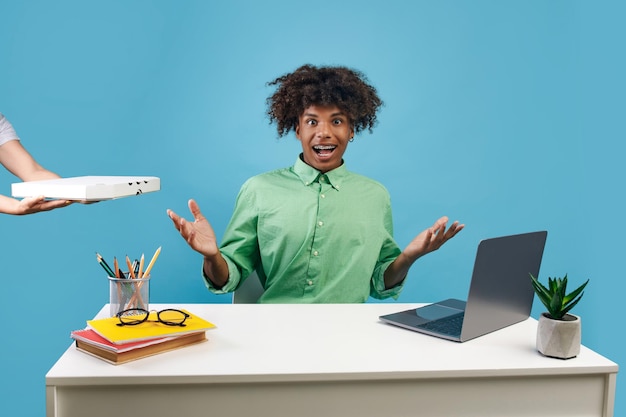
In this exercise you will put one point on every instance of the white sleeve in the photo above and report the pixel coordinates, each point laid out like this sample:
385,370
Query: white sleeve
7,132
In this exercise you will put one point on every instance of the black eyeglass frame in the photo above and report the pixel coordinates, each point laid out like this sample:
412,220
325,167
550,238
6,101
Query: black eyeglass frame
146,313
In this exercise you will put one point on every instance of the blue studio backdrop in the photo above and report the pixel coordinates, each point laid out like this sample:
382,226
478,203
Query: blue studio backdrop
505,115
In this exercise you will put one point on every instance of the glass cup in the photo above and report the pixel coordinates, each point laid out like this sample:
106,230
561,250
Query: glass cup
125,293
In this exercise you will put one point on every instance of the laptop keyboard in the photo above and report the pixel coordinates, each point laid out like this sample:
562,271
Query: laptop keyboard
450,325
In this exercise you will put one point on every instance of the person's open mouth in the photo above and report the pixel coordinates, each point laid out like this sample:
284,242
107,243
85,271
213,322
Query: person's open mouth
324,150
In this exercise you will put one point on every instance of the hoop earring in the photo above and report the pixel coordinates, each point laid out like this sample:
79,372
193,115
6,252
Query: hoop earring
351,139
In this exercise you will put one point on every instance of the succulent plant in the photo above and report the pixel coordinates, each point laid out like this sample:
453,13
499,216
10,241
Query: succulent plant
555,296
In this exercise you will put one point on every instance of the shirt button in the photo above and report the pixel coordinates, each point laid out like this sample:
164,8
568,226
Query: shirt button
320,223
309,282
322,196
315,253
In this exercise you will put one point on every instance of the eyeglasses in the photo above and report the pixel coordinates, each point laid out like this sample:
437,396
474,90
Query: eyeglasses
135,316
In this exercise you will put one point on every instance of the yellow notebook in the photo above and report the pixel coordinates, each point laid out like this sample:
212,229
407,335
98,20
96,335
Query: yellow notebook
150,329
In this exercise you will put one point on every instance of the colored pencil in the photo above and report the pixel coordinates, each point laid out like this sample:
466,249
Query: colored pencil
131,269
152,261
140,273
117,267
104,265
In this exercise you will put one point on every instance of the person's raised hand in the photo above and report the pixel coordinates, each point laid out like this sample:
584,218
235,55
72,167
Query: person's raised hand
432,238
198,233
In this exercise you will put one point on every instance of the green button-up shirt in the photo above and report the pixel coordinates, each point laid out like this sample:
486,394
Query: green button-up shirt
311,237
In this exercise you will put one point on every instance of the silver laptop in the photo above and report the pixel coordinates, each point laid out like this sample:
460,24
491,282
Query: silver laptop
500,292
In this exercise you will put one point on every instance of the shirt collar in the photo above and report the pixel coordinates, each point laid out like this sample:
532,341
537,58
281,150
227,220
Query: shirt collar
309,175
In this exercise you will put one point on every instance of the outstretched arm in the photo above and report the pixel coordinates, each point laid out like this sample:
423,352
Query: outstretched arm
427,241
200,236
20,163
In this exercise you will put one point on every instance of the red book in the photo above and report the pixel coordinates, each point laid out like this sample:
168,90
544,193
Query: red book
90,342
93,338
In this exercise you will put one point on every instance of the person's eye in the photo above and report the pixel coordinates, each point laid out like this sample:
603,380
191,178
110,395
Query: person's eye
311,122
337,121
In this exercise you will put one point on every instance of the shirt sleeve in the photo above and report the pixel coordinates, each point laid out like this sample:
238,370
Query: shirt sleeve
7,133
231,285
377,289
240,246
388,253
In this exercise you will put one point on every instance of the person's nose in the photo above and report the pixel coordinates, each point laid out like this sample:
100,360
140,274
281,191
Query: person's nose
323,130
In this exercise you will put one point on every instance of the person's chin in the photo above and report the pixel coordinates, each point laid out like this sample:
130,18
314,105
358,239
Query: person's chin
323,162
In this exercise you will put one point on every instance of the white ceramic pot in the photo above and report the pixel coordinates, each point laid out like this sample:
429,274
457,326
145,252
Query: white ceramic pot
559,338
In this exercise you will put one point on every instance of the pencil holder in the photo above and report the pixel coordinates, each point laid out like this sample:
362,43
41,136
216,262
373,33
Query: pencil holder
125,293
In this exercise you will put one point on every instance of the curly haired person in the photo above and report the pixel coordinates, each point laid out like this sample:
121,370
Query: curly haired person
314,232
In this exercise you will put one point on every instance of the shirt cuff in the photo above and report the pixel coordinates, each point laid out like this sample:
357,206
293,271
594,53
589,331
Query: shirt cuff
231,285
378,285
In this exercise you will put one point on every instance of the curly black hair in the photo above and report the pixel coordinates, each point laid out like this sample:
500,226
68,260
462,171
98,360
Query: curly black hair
309,85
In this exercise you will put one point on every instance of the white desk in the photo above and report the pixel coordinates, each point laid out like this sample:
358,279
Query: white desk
333,360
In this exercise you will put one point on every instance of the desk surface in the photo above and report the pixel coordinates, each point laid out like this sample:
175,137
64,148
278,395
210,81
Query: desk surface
282,343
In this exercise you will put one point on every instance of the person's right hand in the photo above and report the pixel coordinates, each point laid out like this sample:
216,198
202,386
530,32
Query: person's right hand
198,234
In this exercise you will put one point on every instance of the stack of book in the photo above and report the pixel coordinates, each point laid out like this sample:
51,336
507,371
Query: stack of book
104,339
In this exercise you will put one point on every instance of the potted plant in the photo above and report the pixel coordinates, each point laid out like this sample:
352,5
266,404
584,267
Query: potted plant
558,331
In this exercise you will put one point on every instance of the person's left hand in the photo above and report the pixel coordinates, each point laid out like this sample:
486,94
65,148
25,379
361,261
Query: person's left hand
31,205
432,238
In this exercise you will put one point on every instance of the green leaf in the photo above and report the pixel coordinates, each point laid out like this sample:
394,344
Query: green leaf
571,305
575,293
542,292
554,296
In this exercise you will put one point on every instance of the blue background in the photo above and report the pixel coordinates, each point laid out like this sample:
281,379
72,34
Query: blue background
506,115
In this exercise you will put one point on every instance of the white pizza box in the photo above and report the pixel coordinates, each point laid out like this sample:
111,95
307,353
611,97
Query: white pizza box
87,188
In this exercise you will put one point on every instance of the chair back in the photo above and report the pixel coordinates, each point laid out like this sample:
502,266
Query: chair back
250,291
